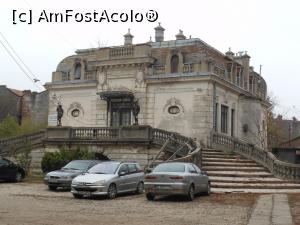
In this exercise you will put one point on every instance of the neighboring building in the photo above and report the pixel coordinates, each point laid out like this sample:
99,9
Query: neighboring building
289,151
290,129
24,105
293,143
182,85
10,103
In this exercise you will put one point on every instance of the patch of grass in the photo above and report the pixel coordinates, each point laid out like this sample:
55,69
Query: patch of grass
34,179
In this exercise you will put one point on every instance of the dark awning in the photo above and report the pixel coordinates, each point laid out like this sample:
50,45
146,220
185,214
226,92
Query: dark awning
105,95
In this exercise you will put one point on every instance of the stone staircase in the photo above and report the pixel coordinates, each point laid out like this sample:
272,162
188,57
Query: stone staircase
233,173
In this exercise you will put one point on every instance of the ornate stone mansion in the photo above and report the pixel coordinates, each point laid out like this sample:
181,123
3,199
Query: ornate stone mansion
182,85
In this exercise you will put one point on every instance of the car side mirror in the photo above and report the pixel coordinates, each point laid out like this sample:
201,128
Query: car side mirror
204,173
122,173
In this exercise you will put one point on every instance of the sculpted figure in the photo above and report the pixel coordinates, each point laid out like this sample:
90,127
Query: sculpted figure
60,113
135,111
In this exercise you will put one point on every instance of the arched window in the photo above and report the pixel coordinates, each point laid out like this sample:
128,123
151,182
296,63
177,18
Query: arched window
77,71
174,64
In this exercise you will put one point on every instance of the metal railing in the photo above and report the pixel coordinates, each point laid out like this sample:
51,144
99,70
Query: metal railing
263,157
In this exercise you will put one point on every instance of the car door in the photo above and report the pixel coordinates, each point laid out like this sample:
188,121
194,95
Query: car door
203,178
5,171
133,177
123,180
195,177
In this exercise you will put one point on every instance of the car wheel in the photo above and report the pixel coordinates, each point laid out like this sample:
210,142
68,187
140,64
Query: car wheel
52,188
191,193
150,196
140,188
208,189
78,196
112,191
18,177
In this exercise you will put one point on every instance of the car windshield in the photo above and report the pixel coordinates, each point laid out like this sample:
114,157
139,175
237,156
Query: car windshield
104,168
170,167
76,165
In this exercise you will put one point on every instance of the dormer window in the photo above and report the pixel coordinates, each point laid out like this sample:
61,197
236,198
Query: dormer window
77,71
174,64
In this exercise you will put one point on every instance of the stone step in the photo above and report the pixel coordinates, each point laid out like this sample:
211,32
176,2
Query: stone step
265,180
218,156
238,174
212,150
255,185
212,159
234,168
253,190
237,163
218,153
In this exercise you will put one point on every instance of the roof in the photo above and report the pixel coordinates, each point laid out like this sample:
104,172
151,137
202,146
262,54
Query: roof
115,94
16,92
289,141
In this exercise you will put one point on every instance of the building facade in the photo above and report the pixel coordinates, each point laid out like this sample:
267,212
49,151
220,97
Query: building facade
181,85
24,105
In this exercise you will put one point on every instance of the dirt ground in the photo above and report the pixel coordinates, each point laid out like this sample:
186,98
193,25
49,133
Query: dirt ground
294,200
33,204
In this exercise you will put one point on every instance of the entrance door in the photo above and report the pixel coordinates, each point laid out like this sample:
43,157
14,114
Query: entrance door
120,113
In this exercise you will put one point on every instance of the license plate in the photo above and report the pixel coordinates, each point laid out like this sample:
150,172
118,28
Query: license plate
84,193
162,187
53,180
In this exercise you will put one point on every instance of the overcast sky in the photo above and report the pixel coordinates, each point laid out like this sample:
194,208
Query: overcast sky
268,29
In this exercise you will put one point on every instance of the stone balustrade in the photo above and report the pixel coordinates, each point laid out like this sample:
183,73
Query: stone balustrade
12,145
267,159
101,135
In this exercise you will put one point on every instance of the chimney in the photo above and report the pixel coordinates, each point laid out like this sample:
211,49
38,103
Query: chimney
128,38
229,53
180,35
159,33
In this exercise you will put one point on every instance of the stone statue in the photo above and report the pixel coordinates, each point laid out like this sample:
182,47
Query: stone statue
60,113
135,111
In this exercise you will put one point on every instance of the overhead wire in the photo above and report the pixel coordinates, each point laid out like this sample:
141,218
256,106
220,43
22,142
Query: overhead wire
20,59
19,65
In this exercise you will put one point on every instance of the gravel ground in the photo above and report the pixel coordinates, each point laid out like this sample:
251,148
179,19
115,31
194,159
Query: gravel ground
33,204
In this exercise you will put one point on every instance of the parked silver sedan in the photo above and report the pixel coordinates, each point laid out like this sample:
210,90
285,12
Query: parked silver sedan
176,178
110,179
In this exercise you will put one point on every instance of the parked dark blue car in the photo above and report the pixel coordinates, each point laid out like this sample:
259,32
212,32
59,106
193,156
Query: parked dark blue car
9,171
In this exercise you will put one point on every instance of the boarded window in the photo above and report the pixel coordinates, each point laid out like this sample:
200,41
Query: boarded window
77,71
174,64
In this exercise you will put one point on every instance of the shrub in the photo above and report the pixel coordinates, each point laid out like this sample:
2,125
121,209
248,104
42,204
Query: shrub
24,158
56,160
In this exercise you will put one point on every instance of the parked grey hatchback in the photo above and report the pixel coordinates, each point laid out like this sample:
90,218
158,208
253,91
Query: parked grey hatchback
64,176
176,178
109,179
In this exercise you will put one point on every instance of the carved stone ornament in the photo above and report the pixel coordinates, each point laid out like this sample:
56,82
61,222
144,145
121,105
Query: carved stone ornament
75,109
140,77
173,108
101,77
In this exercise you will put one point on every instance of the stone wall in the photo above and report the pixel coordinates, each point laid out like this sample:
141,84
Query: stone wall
35,106
142,154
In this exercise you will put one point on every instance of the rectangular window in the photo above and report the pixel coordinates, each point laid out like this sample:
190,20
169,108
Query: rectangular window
216,117
224,119
120,110
232,121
